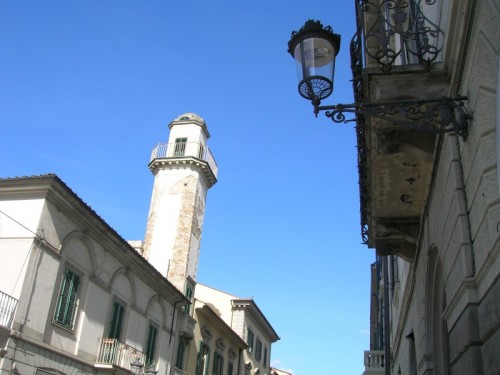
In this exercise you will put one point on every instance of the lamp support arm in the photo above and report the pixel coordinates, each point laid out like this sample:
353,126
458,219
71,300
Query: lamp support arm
434,115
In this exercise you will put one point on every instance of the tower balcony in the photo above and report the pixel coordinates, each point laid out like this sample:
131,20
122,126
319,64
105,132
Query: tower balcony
185,151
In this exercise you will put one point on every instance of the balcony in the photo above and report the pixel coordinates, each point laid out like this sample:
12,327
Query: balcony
374,362
186,326
182,152
395,162
114,354
8,305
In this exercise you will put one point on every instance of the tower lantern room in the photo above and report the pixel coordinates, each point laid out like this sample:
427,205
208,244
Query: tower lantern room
184,169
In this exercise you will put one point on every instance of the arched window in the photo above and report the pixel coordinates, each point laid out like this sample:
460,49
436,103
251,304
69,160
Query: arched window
436,329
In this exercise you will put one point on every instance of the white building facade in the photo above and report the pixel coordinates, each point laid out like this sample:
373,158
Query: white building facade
248,322
430,202
75,296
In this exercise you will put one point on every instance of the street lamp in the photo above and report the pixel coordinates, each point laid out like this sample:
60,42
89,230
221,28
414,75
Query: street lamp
314,49
136,365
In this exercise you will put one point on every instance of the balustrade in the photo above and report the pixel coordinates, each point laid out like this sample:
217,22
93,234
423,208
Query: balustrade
185,149
114,352
8,306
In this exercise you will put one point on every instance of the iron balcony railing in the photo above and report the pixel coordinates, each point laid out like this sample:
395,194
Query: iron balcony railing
185,149
8,306
400,32
116,353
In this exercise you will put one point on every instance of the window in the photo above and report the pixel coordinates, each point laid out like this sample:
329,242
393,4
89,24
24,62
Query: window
250,340
218,364
189,296
203,360
115,325
151,345
180,146
68,299
258,350
230,368
264,362
181,351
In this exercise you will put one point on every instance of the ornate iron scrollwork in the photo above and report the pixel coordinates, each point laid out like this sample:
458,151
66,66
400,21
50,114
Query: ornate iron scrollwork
438,115
401,31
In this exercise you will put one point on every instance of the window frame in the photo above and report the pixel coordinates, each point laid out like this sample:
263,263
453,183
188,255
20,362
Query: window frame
218,364
151,344
264,361
203,369
250,340
258,349
114,331
180,146
181,354
72,300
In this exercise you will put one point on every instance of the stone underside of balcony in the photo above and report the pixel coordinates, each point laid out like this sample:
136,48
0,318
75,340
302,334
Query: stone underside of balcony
399,161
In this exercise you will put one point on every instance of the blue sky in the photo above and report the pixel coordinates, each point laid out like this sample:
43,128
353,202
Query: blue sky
88,87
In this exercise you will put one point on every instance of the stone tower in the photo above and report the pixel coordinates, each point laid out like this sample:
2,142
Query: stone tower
184,170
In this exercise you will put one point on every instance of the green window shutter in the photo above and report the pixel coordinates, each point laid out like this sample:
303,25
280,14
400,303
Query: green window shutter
151,345
68,298
115,325
230,368
189,296
258,350
250,340
218,365
179,363
203,360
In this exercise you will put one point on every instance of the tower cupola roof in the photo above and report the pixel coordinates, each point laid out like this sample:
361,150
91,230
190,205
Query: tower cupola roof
189,118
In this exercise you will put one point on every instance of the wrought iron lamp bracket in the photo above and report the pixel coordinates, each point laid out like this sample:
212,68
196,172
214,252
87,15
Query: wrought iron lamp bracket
436,115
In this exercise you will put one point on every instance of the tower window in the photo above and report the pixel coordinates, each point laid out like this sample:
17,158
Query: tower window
180,146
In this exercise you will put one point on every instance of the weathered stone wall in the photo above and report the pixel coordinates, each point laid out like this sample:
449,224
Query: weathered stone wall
460,239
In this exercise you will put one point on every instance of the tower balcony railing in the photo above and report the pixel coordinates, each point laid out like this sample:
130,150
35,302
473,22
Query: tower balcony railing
112,352
8,305
185,149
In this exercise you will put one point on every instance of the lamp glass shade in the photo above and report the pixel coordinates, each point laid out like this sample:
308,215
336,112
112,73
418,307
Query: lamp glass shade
315,62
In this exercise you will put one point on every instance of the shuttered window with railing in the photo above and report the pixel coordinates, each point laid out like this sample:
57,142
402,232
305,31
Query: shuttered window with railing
115,324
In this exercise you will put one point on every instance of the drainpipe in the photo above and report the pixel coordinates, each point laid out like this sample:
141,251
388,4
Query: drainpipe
173,357
463,204
239,362
387,336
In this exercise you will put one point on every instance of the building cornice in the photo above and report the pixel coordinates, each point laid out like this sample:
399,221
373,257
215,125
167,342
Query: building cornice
250,306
